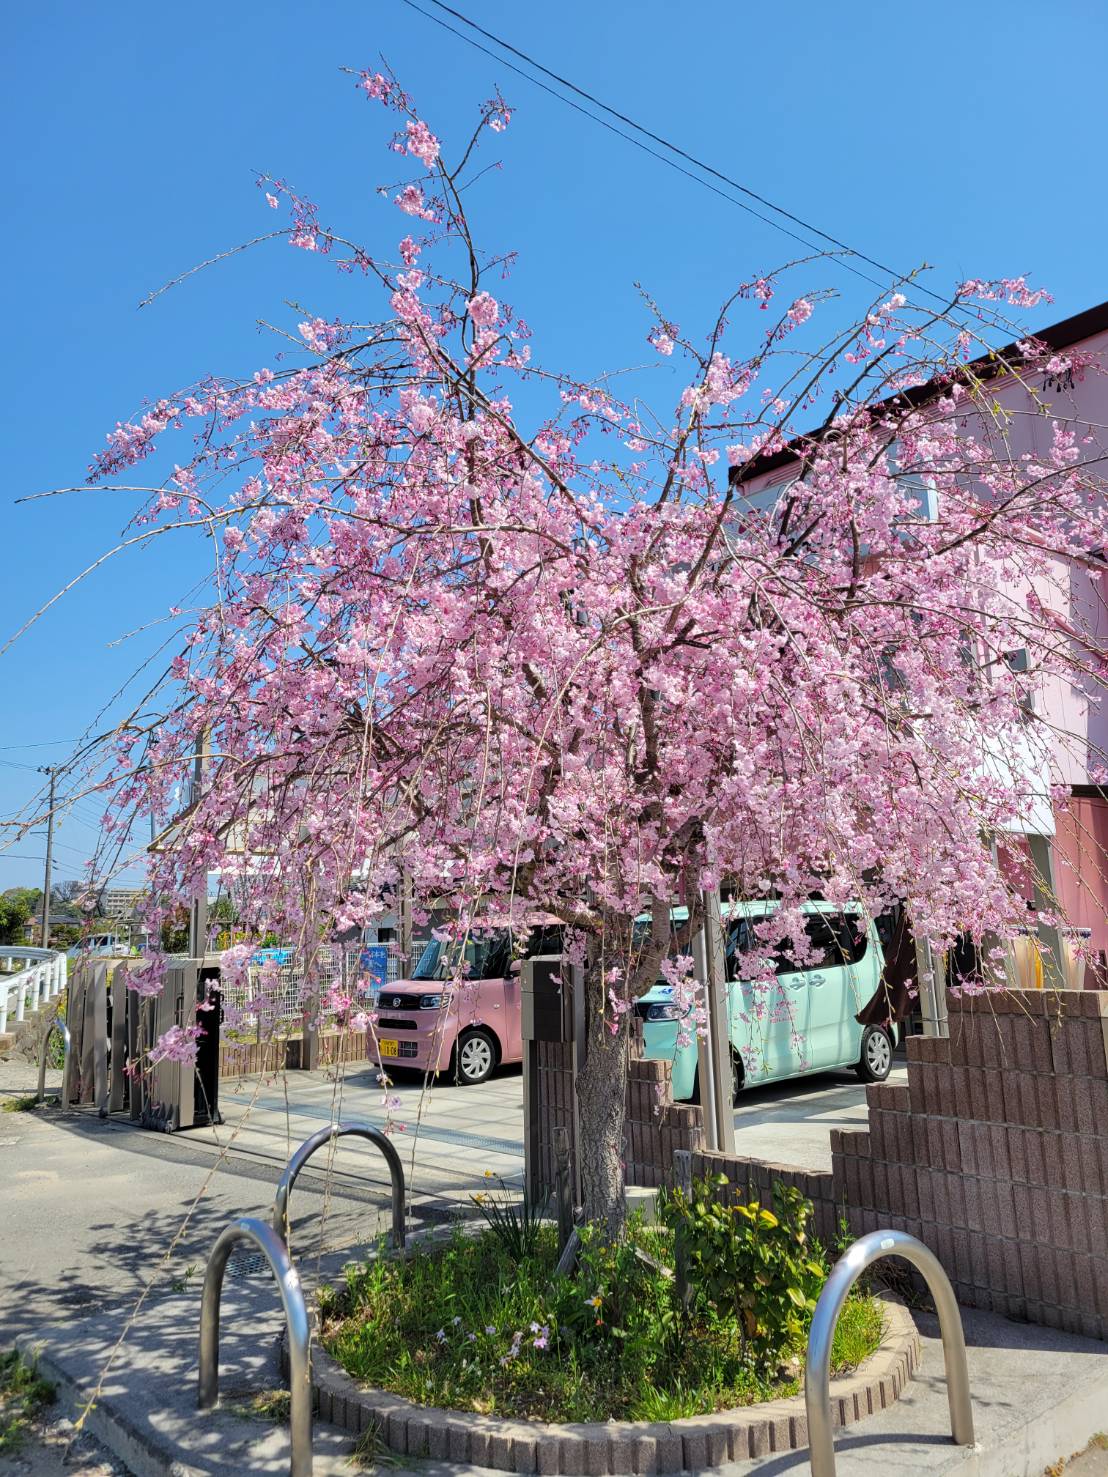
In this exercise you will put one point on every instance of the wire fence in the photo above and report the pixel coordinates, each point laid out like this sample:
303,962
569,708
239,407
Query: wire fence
281,992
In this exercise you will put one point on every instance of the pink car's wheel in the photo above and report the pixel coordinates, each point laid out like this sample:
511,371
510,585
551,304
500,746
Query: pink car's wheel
476,1057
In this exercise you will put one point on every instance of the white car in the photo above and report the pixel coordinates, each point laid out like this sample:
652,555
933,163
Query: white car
103,946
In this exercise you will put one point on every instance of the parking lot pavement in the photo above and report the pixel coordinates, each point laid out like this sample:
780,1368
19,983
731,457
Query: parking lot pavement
790,1123
448,1136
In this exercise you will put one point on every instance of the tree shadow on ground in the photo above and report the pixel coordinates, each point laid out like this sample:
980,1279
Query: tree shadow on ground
122,1248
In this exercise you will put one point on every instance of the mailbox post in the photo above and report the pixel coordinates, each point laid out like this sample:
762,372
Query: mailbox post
552,1015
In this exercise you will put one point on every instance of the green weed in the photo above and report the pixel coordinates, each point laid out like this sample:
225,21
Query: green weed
24,1394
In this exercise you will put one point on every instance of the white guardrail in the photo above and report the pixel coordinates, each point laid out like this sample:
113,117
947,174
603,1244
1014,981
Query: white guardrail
28,979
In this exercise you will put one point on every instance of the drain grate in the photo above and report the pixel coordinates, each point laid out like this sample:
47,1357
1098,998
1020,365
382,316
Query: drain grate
242,1263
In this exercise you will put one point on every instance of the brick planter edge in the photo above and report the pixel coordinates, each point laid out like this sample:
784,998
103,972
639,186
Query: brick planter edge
617,1447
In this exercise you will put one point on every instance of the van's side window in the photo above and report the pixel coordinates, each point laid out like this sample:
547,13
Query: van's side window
835,939
498,955
546,939
740,940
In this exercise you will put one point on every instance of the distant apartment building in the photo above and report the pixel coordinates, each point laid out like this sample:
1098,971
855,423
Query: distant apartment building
120,902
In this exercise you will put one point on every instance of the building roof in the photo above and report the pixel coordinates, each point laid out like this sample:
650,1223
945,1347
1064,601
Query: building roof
1061,335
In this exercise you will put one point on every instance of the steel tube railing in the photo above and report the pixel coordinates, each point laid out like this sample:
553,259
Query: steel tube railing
325,1136
817,1374
276,1254
42,977
57,1024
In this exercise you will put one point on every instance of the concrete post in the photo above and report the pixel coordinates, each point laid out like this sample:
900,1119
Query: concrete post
714,1047
1054,969
932,990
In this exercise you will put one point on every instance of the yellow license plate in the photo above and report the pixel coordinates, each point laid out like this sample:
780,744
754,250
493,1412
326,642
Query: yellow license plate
389,1048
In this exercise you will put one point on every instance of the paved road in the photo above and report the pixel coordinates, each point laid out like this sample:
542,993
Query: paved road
790,1123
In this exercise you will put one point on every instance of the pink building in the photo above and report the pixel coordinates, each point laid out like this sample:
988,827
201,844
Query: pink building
1068,841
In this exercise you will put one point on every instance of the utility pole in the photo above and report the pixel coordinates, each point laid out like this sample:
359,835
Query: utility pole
44,938
198,907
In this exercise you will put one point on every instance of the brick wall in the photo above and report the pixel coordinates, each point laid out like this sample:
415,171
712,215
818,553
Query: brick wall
995,1154
656,1126
754,1179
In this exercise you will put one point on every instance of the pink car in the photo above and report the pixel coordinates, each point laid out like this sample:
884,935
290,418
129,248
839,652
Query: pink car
471,1028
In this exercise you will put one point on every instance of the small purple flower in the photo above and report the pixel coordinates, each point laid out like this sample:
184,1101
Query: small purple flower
456,1321
540,1342
441,1335
490,1329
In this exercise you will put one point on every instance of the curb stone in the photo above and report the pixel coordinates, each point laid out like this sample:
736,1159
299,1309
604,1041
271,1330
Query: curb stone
622,1448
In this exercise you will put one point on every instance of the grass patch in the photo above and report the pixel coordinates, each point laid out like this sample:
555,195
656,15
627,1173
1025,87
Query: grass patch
370,1452
24,1394
262,1405
26,1104
468,1325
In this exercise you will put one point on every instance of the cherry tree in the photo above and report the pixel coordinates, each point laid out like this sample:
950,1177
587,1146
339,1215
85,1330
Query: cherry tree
559,659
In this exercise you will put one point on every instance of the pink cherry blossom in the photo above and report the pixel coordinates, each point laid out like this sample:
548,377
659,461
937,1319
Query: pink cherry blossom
529,647
422,142
484,310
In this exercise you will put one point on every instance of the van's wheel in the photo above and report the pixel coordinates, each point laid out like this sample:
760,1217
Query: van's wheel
738,1080
475,1057
876,1059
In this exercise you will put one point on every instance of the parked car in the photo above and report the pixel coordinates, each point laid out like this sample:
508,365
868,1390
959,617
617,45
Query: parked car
473,1027
800,1020
103,946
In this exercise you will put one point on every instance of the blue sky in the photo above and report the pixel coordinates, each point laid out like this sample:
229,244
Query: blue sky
970,137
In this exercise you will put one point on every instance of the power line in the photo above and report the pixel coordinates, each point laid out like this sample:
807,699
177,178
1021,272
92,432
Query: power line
638,144
44,744
663,142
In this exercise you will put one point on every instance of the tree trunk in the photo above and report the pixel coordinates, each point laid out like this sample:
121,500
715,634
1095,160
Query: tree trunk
602,1103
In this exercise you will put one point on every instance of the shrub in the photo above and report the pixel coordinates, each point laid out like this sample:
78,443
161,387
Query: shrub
754,1260
24,1394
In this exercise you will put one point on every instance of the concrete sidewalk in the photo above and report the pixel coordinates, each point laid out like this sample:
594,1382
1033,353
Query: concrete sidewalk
449,1136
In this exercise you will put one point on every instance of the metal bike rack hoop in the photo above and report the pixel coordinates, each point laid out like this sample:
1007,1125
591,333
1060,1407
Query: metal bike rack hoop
296,1317
57,1024
817,1374
325,1136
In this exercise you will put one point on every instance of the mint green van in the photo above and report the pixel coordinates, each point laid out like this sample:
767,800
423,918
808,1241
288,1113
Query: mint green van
797,1021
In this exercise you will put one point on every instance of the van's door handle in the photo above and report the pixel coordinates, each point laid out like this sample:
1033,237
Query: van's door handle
816,979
